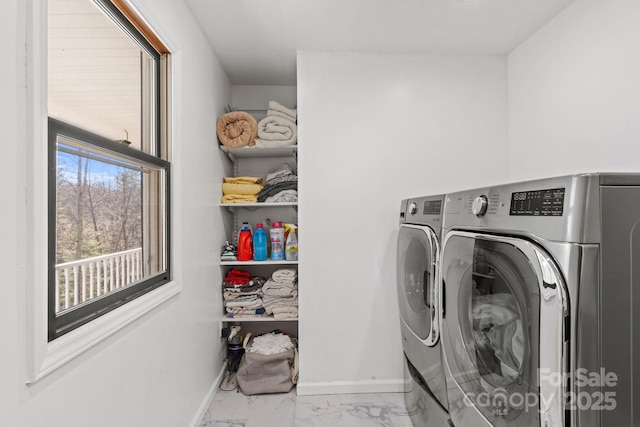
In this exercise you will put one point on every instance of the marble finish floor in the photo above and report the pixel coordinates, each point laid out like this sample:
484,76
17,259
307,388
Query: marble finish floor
234,409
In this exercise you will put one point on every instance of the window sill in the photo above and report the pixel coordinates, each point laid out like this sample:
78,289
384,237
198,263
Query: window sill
64,349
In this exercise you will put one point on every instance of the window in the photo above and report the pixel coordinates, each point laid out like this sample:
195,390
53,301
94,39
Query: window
108,175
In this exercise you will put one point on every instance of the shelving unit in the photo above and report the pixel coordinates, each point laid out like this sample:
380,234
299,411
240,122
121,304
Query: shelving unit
257,162
267,262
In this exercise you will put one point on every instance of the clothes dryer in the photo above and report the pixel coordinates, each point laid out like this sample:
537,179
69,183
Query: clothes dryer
541,313
418,259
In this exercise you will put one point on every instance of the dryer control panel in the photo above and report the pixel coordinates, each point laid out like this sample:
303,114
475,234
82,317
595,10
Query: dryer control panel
537,203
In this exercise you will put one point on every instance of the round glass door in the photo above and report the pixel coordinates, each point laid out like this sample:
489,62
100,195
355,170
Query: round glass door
416,278
491,327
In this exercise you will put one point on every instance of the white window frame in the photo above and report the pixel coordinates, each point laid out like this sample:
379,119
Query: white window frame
44,357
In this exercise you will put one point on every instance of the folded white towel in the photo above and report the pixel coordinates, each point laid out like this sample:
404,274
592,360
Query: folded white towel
278,289
285,312
270,303
285,309
285,275
275,131
276,107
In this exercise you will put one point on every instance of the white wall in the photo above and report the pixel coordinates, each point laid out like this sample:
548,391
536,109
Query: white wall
374,129
574,93
158,370
257,97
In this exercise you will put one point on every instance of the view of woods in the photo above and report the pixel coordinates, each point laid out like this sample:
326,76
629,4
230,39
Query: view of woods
99,208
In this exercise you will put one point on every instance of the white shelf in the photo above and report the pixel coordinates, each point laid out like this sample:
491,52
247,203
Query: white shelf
257,205
226,319
266,262
253,152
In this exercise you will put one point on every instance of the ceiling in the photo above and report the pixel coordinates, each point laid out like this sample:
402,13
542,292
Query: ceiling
256,40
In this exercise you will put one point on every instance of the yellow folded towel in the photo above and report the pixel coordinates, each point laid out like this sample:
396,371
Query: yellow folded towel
243,180
241,189
239,198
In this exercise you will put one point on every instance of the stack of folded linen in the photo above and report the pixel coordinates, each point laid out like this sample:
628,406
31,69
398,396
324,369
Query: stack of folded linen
241,189
280,294
279,128
243,294
281,186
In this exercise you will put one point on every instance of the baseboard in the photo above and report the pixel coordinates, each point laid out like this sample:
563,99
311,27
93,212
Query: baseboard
349,387
208,398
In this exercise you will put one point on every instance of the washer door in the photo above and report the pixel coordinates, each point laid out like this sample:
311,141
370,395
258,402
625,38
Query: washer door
418,253
502,330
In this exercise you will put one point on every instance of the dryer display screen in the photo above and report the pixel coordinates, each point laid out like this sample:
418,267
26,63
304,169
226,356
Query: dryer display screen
432,207
537,203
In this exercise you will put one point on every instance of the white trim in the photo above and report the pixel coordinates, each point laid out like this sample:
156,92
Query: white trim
67,347
35,254
208,399
350,387
44,357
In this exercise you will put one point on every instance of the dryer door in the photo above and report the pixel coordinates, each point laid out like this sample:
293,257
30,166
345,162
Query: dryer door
503,331
418,253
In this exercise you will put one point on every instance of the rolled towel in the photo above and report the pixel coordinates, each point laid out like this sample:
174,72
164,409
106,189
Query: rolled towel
277,109
237,129
275,131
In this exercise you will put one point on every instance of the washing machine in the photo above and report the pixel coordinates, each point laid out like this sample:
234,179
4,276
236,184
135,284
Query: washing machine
541,282
418,258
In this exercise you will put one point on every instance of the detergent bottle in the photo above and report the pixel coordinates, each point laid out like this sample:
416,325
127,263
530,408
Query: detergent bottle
245,243
277,241
291,246
259,243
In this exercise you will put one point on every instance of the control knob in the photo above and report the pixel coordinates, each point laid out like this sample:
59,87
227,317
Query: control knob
479,206
413,208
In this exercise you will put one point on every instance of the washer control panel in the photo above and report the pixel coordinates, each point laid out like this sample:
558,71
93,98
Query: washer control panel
537,203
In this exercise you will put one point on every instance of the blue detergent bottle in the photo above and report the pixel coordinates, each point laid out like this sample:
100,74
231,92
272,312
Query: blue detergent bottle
259,243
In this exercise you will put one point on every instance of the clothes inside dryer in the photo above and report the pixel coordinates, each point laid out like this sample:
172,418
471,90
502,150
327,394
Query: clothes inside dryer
491,335
498,336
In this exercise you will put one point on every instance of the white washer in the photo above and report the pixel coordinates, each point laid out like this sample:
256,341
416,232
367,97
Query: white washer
539,324
418,259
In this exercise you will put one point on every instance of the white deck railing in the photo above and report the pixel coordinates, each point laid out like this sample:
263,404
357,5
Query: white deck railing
83,280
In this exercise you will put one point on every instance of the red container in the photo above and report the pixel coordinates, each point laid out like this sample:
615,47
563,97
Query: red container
245,246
